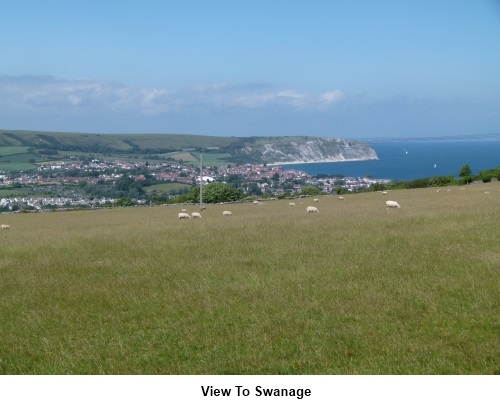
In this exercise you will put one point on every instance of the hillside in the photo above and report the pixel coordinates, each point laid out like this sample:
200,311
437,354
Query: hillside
356,289
235,149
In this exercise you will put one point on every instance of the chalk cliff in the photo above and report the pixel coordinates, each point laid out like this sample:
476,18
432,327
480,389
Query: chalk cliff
309,150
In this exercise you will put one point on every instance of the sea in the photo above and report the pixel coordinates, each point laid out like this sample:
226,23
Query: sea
414,159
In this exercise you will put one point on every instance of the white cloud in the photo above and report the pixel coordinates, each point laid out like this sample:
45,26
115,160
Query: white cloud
330,97
46,94
74,100
83,104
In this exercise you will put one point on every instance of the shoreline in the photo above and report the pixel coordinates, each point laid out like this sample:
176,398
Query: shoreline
318,161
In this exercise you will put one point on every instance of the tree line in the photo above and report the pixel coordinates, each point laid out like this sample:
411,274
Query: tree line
465,176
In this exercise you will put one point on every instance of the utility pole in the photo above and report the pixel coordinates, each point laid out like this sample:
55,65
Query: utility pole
201,179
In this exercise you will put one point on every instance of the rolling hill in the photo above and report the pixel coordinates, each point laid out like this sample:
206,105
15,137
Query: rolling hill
236,150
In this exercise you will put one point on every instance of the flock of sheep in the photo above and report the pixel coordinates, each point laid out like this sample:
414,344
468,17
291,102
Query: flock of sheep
388,204
184,215
196,215
310,209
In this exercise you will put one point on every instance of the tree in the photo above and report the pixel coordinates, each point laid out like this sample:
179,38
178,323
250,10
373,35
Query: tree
311,190
441,181
215,193
253,188
124,202
465,171
487,175
235,179
340,190
379,187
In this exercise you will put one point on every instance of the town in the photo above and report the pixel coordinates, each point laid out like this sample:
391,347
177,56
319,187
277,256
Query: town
94,183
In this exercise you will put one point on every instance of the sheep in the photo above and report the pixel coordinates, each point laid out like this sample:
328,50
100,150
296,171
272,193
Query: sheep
291,204
384,192
5,226
311,209
392,204
184,210
256,202
183,215
316,200
227,213
195,215
341,198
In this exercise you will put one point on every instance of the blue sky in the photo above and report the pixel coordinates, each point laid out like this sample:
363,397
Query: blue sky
347,68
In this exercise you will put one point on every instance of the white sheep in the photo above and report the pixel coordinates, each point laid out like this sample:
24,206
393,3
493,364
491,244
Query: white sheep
183,215
5,226
384,192
227,213
184,210
291,204
195,215
392,204
311,209
316,200
341,198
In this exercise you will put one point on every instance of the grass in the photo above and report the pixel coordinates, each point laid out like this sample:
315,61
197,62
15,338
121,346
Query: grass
213,159
355,289
13,150
166,187
15,192
16,158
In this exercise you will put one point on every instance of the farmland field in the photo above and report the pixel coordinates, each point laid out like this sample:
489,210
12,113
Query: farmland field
213,159
16,158
15,192
166,187
354,289
15,164
184,156
12,150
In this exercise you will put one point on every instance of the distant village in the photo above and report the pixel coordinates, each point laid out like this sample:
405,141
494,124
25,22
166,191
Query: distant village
66,178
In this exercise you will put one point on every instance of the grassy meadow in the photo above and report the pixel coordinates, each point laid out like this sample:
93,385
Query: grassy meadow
166,187
354,289
16,158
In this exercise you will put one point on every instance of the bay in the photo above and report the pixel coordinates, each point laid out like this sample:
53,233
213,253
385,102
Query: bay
414,159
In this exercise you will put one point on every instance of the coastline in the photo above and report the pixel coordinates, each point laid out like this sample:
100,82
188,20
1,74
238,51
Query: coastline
300,162
411,160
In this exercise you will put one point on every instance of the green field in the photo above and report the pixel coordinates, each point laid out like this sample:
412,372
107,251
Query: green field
12,150
16,158
15,192
214,159
16,166
166,187
354,289
209,159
